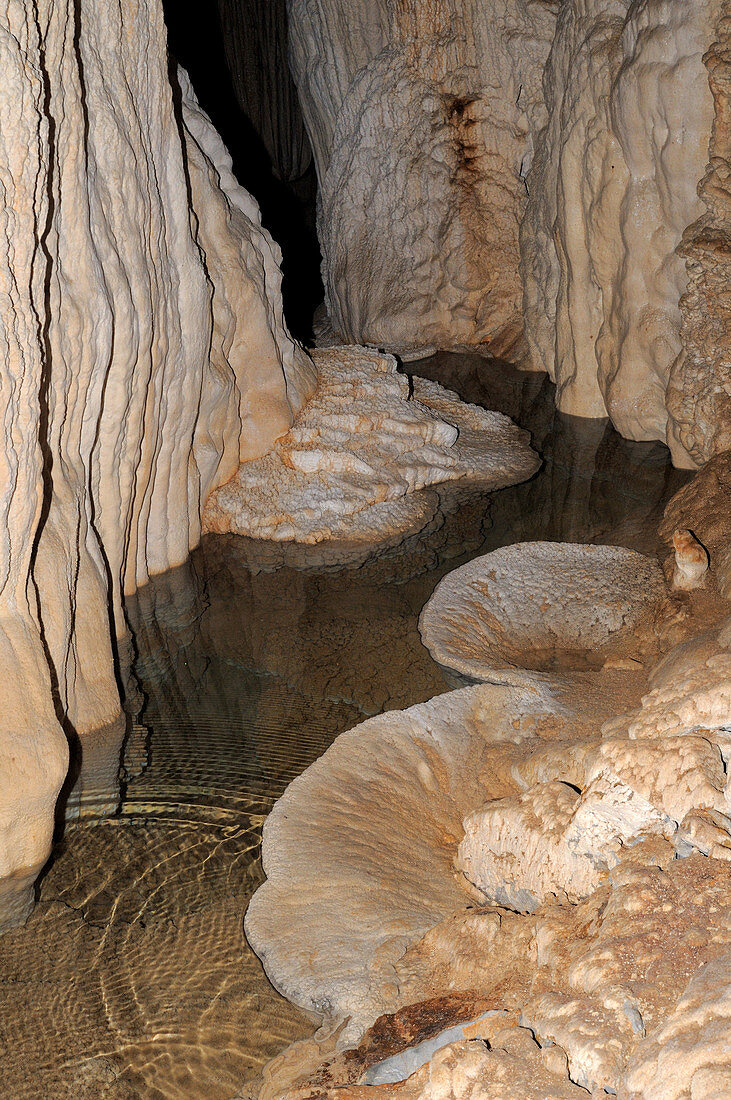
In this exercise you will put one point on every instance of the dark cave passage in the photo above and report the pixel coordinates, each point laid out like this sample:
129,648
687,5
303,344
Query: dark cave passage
235,52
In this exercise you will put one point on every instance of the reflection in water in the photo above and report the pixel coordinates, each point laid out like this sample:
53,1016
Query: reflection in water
133,978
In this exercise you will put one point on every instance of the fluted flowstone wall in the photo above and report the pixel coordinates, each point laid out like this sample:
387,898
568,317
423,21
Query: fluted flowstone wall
548,179
421,115
143,356
613,187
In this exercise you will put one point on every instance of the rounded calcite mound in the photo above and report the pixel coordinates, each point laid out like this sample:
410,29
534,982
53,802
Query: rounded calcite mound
542,606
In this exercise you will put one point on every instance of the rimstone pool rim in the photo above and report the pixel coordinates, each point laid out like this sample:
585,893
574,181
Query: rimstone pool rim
507,609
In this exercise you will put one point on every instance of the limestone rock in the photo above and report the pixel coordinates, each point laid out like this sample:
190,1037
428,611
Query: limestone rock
421,117
251,346
689,1054
359,849
552,842
611,970
704,506
33,750
469,1070
578,835
612,190
699,392
357,452
691,561
547,606
690,692
145,355
578,169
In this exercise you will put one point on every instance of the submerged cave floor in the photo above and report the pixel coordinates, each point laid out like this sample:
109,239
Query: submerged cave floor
132,980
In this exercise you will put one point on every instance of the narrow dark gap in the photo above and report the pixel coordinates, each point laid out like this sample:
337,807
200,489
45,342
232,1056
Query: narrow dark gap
235,53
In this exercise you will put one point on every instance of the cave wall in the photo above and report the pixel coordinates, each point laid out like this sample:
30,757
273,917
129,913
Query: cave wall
699,391
255,40
144,356
612,189
421,117
548,180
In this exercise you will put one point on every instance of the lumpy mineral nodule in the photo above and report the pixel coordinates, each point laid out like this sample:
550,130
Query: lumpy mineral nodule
133,978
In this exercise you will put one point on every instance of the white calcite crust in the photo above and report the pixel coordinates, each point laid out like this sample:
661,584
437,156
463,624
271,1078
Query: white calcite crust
551,841
612,943
359,449
541,605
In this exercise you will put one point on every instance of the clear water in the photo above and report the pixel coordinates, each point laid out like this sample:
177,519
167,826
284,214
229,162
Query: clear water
133,979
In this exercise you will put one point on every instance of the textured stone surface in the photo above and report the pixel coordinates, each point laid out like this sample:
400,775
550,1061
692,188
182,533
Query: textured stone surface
361,446
551,841
671,1063
542,605
704,506
360,847
145,356
578,832
33,751
699,393
421,116
612,189
255,39
690,690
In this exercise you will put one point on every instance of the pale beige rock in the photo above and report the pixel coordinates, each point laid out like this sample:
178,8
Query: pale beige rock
552,842
699,392
145,355
33,750
611,970
575,185
357,452
689,1055
690,692
598,975
467,1070
545,606
704,507
612,189
251,346
421,117
691,561
360,847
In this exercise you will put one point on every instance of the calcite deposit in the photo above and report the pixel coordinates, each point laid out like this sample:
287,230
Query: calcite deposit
332,846
145,356
699,392
703,506
548,180
559,875
612,190
360,449
421,117
544,606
